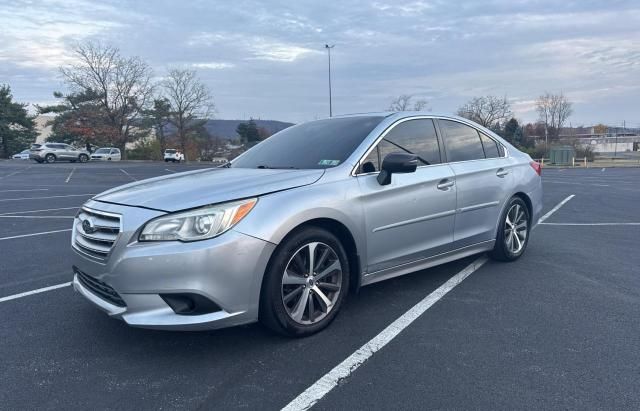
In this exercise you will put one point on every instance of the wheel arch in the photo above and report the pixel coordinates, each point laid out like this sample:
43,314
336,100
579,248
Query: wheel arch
343,234
524,197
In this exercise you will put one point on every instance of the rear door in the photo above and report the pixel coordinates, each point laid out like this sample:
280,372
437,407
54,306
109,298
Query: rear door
70,152
57,150
411,218
483,178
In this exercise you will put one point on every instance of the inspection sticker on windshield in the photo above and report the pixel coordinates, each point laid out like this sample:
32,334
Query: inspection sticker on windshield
329,162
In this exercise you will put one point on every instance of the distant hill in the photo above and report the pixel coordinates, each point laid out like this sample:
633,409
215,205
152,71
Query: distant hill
226,129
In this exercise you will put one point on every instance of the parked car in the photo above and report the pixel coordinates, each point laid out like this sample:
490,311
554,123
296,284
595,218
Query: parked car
52,152
219,160
23,155
173,155
282,233
106,154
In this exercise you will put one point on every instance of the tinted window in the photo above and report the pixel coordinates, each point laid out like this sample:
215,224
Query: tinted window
412,136
490,146
462,142
316,144
370,163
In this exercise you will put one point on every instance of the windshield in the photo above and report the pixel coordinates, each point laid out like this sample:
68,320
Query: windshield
316,144
102,151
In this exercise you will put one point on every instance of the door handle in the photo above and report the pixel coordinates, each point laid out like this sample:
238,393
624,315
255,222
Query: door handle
445,184
502,172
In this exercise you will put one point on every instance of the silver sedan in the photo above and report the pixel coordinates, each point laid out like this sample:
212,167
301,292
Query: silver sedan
286,230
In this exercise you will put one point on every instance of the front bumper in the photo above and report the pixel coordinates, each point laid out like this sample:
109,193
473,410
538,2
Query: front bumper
227,270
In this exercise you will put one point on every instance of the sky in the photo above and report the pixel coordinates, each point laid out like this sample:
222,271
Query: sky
266,59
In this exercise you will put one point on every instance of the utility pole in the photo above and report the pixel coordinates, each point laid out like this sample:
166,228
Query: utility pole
329,47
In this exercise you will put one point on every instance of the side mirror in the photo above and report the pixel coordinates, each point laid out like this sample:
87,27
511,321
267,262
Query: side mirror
397,163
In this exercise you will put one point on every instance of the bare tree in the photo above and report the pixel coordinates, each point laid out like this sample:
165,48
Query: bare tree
190,100
486,110
122,86
403,103
553,111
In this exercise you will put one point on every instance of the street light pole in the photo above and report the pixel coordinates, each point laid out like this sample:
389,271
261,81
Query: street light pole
329,47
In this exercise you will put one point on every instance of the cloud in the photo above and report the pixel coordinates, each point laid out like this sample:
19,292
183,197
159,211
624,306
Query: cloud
213,65
267,58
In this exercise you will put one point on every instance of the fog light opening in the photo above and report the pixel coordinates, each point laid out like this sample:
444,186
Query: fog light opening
190,304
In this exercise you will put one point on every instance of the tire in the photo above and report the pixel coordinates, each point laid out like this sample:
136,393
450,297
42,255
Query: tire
50,158
83,158
511,241
285,308
166,160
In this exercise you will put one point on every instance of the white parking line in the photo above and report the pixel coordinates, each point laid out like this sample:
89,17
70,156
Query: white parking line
576,184
34,234
590,224
38,291
556,208
44,198
37,211
132,177
32,189
16,172
343,370
70,174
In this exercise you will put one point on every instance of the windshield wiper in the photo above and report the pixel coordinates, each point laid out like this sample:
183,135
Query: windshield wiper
277,168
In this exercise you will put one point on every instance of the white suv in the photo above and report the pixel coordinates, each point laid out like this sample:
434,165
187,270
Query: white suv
174,155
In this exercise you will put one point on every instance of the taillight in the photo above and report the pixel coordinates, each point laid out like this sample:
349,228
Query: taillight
537,167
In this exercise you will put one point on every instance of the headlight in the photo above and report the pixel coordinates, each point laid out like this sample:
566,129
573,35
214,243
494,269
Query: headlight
198,224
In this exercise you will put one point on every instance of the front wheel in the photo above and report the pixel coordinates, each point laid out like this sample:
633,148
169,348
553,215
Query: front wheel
513,232
305,284
83,158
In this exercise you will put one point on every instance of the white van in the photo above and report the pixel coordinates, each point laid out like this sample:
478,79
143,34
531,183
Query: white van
171,154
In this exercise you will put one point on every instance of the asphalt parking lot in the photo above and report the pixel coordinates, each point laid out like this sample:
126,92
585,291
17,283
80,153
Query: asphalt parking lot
558,329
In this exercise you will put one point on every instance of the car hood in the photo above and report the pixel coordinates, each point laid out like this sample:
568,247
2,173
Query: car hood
201,187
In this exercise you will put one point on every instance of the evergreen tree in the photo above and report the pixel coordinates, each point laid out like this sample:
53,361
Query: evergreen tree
17,128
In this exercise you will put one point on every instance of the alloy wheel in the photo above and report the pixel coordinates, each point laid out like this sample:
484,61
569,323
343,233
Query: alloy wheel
311,283
516,229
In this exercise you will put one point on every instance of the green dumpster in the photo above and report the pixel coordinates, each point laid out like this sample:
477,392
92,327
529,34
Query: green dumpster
562,155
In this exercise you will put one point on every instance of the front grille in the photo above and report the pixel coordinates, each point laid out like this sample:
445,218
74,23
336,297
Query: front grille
100,289
95,233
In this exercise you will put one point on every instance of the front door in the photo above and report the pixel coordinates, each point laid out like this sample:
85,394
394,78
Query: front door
413,217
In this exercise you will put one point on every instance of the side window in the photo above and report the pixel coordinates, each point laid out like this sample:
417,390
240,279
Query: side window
370,163
490,146
414,137
462,142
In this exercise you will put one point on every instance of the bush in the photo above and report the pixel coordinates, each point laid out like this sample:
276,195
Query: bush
536,153
145,150
585,151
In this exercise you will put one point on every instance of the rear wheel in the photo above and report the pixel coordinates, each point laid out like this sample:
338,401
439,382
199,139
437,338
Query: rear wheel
513,232
305,284
50,158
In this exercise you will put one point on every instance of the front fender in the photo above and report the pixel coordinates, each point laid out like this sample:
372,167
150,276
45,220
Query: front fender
276,215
